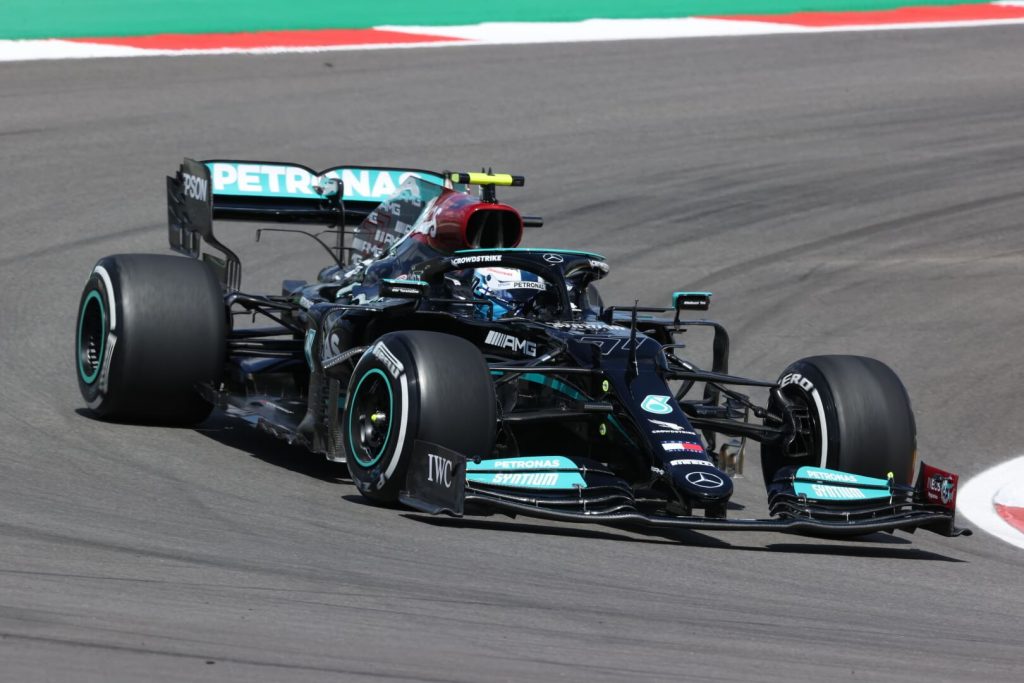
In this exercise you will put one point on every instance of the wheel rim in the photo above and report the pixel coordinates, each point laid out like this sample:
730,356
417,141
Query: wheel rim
370,417
91,341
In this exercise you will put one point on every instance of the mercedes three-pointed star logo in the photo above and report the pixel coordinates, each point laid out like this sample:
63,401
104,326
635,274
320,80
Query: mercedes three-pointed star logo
705,480
553,258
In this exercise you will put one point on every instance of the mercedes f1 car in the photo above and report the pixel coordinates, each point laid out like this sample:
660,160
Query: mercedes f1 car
456,372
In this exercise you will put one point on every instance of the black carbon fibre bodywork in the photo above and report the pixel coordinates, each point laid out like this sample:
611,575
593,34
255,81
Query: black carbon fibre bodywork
604,387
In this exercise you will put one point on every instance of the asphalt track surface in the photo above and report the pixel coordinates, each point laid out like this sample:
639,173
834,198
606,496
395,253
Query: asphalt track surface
855,192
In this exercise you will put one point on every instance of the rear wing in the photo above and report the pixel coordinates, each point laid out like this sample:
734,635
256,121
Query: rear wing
220,189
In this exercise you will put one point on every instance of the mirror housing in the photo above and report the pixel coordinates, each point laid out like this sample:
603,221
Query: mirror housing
691,301
404,289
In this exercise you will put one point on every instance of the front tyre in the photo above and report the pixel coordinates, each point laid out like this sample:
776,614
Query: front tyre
859,419
414,385
149,329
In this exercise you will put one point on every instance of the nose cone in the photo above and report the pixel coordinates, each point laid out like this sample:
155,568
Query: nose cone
702,482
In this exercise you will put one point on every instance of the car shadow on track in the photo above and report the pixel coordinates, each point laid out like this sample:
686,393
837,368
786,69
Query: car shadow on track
234,434
661,537
884,546
876,552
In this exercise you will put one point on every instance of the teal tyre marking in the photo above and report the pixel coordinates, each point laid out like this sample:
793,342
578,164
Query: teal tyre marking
83,353
355,402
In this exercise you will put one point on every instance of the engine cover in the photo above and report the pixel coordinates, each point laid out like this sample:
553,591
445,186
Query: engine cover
460,221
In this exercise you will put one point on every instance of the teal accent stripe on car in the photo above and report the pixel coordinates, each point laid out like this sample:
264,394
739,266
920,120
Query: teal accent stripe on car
571,392
90,378
307,347
818,483
548,381
253,179
618,425
391,409
555,383
827,476
533,250
837,492
529,472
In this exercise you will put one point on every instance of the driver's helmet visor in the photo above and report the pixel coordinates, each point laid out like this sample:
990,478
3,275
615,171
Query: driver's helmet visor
509,289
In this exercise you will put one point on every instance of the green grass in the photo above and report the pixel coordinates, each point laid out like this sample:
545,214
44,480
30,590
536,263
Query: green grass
93,18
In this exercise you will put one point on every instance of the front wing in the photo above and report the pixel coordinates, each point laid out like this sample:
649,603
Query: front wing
436,483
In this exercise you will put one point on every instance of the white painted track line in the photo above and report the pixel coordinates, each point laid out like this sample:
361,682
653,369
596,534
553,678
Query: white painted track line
976,500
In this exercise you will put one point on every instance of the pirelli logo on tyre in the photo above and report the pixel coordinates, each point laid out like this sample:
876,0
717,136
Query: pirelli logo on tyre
388,359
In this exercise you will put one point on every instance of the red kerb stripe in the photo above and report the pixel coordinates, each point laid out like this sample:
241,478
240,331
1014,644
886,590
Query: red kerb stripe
266,39
904,15
1014,516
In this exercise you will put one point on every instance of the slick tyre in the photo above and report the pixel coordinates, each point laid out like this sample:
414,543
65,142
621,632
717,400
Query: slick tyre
149,329
860,419
414,385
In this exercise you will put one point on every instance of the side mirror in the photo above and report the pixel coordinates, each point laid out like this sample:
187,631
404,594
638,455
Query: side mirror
404,289
691,301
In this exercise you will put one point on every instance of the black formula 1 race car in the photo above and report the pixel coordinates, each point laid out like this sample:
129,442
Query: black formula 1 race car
455,372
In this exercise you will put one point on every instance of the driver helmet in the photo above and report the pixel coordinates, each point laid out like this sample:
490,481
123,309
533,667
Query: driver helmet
508,289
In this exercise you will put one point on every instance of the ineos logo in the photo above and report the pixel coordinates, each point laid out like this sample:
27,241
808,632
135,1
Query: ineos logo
553,258
194,186
705,480
439,470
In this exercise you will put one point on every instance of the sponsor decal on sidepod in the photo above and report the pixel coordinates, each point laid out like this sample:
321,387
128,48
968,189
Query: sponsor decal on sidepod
507,341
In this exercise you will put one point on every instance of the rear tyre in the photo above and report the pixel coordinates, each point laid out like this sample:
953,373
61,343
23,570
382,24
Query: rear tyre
150,328
414,385
860,419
